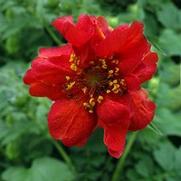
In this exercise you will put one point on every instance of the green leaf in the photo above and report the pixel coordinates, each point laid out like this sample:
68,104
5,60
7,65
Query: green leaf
169,97
16,174
145,167
169,16
43,169
164,155
168,122
170,73
170,42
177,164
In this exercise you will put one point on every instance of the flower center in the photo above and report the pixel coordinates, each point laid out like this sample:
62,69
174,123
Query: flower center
101,77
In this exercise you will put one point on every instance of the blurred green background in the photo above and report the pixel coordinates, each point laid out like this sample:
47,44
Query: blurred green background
28,153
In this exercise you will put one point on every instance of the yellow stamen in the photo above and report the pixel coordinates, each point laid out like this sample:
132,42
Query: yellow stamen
84,90
90,111
92,102
72,57
116,70
115,81
73,67
110,72
67,77
99,99
70,85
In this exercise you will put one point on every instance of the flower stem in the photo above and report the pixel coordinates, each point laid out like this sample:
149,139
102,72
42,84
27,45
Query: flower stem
53,36
120,164
64,155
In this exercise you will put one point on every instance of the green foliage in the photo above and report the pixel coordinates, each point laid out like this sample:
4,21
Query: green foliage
42,169
28,153
170,42
170,16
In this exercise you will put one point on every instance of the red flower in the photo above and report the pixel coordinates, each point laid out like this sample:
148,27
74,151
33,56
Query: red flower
94,80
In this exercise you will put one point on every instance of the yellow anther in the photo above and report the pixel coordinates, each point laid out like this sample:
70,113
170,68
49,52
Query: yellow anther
110,72
92,102
73,67
110,83
115,81
108,91
99,99
116,88
72,57
89,106
104,66
84,90
91,111
74,62
67,77
70,85
116,91
116,69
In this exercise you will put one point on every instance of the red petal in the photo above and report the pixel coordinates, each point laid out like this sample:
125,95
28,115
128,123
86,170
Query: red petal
147,68
142,110
135,35
70,122
131,57
111,112
103,25
48,71
40,89
132,82
114,139
114,117
112,43
78,34
62,24
54,52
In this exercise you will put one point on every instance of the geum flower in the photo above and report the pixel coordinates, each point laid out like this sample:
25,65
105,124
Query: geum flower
94,81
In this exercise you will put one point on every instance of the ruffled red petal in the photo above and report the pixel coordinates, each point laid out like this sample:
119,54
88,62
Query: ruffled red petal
114,118
115,139
47,73
70,122
147,67
40,89
63,23
77,34
142,110
113,42
132,82
130,58
87,27
103,25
